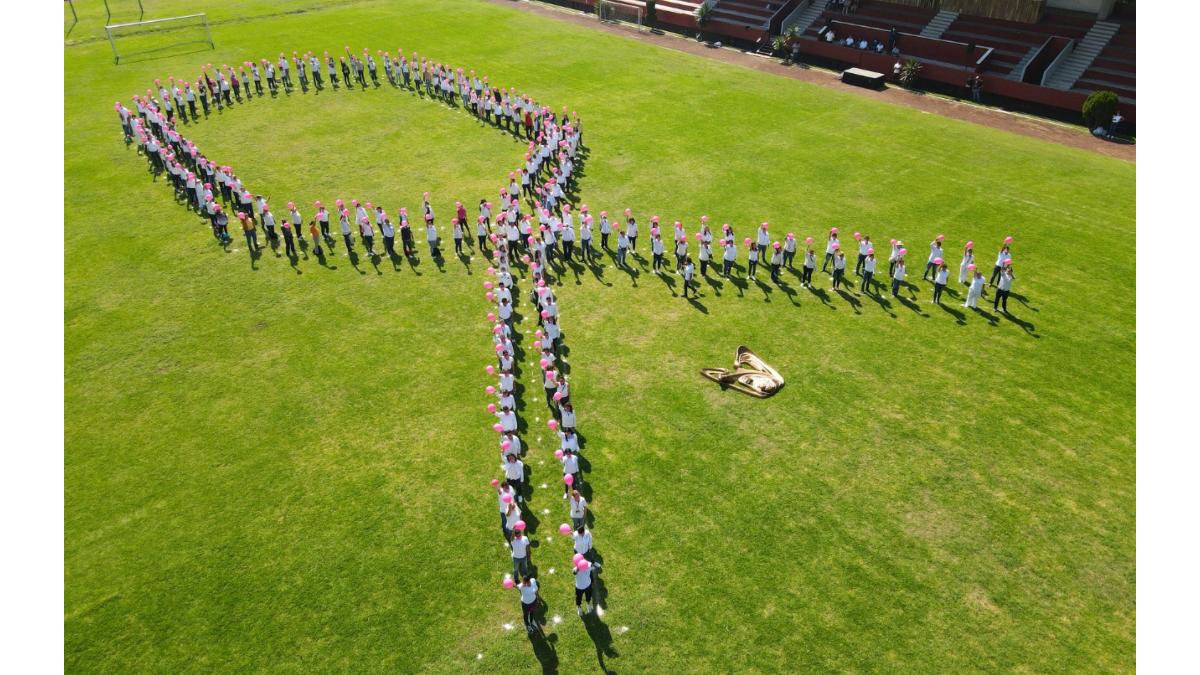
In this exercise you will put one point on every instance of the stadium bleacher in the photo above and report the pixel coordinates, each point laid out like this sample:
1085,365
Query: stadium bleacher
1115,66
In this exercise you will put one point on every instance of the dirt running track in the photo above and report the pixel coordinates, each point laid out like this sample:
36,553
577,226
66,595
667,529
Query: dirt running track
1046,130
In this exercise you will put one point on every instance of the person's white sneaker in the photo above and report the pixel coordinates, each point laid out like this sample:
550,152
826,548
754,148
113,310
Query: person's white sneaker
579,611
564,495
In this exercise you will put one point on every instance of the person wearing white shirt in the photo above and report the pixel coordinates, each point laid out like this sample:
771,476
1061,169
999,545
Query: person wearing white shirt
831,246
431,236
897,277
578,509
1004,287
605,230
968,258
729,256
508,418
514,444
622,248
514,473
776,263
839,269
512,516
863,245
585,240
705,257
1001,257
505,311
810,265
868,272
975,290
520,555
583,588
935,253
689,272
752,262
568,441
528,589
570,467
567,416
631,231
656,249
789,250
503,490
940,277
764,240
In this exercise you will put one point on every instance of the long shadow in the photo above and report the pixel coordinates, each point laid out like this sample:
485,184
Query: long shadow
601,637
765,288
542,644
1023,300
991,318
413,263
738,282
959,317
881,301
911,305
669,281
715,284
855,303
822,296
697,305
1025,325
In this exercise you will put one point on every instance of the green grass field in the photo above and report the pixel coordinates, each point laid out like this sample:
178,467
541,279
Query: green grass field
272,467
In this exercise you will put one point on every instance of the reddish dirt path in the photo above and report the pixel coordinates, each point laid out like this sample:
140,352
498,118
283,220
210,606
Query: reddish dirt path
1046,130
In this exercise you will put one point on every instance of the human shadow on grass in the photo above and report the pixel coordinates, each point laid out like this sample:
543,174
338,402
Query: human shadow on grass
668,280
542,644
738,282
822,296
1025,325
766,288
959,317
911,304
1023,300
715,284
601,638
854,302
992,319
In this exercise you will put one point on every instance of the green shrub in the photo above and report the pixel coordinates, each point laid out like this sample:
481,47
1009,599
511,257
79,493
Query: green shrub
909,72
1098,109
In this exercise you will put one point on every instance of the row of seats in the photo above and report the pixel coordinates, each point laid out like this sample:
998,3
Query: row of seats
1115,68
748,13
1011,40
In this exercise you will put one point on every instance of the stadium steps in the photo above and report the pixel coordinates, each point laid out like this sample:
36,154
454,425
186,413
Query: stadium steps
938,24
1086,51
744,13
804,17
1019,68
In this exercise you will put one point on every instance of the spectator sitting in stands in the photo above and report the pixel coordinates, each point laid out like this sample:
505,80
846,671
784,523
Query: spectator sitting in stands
829,35
863,44
895,51
849,41
878,47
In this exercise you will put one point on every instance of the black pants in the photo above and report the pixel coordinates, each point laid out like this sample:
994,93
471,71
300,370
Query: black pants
633,243
389,245
995,275
458,245
316,77
703,268
369,243
775,273
568,248
868,278
788,257
289,242
251,239
604,240
528,614
858,266
828,258
482,239
192,107
753,265
581,593
929,267
1001,300
658,261
687,283
895,288
937,292
838,274
550,398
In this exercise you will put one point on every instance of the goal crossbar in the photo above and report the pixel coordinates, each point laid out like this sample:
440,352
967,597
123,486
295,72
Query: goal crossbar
159,26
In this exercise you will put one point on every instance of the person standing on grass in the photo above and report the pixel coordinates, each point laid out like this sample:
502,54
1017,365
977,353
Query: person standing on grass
577,506
347,236
322,218
968,259
656,248
898,272
681,252
388,232
728,256
689,272
289,241
368,235
570,467
406,235
583,587
1004,288
512,516
868,271
975,290
249,231
431,237
831,247
519,544
314,66
1001,257
316,237
764,240
457,226
839,269
705,257
605,230
940,278
776,262
505,496
935,254
622,248
566,414
751,259
863,245
528,589
631,229
585,239
514,472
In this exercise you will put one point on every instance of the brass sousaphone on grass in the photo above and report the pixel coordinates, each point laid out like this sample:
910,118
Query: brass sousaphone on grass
750,375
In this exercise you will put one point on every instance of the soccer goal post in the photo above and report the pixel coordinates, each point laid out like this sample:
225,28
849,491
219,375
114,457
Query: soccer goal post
612,10
139,38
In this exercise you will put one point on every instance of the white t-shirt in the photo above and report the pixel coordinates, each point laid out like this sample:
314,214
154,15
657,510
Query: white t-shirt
583,579
529,592
583,542
578,508
520,546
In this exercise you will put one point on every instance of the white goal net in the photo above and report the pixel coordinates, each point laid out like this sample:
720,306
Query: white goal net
612,10
136,39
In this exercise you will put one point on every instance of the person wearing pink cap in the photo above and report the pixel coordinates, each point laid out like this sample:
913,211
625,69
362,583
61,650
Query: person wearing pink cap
631,230
622,248
322,219
705,255
789,250
656,249
681,252
868,272
289,237
751,259
605,230
347,232
1004,287
689,273
763,240
776,262
728,256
